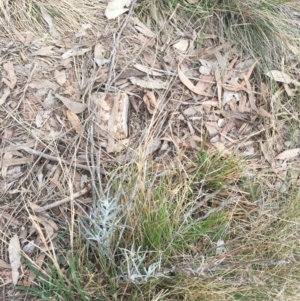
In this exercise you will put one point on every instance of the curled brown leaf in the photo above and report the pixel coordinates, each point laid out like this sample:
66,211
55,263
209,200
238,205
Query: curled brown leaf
150,101
190,85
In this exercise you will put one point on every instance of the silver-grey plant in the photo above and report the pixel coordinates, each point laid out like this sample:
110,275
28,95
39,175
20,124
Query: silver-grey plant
133,266
100,225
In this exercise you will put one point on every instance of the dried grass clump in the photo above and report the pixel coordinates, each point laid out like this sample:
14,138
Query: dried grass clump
67,15
267,29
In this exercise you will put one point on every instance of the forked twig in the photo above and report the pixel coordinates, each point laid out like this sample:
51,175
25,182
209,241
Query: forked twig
49,157
116,45
188,121
65,200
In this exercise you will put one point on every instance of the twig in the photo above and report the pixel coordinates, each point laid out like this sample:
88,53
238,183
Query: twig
65,200
116,45
3,293
188,121
49,157
26,87
206,199
227,264
189,77
218,264
211,211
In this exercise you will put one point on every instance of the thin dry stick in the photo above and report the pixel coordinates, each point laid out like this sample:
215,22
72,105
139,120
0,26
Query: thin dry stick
188,121
116,45
226,264
49,157
189,77
65,200
26,87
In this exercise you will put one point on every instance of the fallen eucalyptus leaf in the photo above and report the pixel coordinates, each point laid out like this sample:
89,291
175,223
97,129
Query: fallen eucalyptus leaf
74,52
14,251
282,77
149,83
147,70
44,51
43,84
182,45
11,79
6,93
150,101
288,154
60,77
73,106
75,121
116,8
190,85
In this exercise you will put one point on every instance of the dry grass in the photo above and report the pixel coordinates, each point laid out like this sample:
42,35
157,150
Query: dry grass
67,16
266,29
176,216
